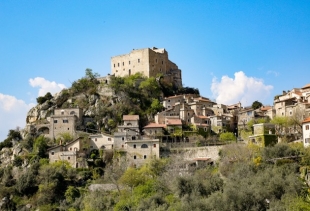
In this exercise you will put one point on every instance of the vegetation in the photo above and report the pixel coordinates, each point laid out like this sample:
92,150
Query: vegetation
43,99
256,104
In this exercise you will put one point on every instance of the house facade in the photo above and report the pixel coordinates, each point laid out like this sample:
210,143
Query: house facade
306,132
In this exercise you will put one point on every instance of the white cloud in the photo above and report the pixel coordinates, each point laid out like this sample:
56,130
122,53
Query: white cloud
46,86
13,113
273,73
242,89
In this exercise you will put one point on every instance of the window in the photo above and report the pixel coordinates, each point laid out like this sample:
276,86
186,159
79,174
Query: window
123,138
70,148
55,120
128,62
123,64
144,146
122,146
291,113
62,112
68,128
154,145
168,101
72,113
144,157
134,157
138,60
118,64
68,158
65,121
114,65
307,140
307,127
52,153
282,114
109,139
134,146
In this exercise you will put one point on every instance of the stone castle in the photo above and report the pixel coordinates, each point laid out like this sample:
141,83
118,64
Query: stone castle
150,62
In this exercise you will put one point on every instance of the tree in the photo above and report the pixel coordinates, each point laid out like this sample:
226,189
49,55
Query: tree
256,104
228,136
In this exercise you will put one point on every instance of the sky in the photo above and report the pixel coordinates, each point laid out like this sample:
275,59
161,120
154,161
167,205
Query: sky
232,51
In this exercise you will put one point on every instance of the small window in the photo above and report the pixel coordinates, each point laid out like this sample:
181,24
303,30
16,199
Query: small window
114,65
138,60
134,157
123,63
154,145
65,121
55,120
52,153
134,146
128,62
122,146
72,113
118,64
144,157
68,128
307,127
109,139
95,139
123,138
70,148
68,158
62,113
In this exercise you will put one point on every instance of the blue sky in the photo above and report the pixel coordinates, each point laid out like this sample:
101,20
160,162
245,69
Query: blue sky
231,50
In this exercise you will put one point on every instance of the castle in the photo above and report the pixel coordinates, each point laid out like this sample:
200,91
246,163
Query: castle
150,62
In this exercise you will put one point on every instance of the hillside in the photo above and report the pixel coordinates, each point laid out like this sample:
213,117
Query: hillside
246,177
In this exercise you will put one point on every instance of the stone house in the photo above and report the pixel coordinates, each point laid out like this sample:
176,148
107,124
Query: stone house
264,135
154,130
149,62
101,141
71,152
65,121
306,132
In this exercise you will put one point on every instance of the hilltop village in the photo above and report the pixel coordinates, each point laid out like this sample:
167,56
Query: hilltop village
136,139
182,118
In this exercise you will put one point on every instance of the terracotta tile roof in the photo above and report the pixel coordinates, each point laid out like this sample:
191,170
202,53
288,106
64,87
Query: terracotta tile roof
306,120
266,108
307,86
155,125
130,117
174,122
203,117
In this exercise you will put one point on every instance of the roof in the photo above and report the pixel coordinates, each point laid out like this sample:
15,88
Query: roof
306,120
203,117
306,86
175,96
266,108
155,125
130,117
202,159
174,122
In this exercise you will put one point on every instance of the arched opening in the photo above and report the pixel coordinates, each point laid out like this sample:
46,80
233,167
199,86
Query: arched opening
44,130
144,146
